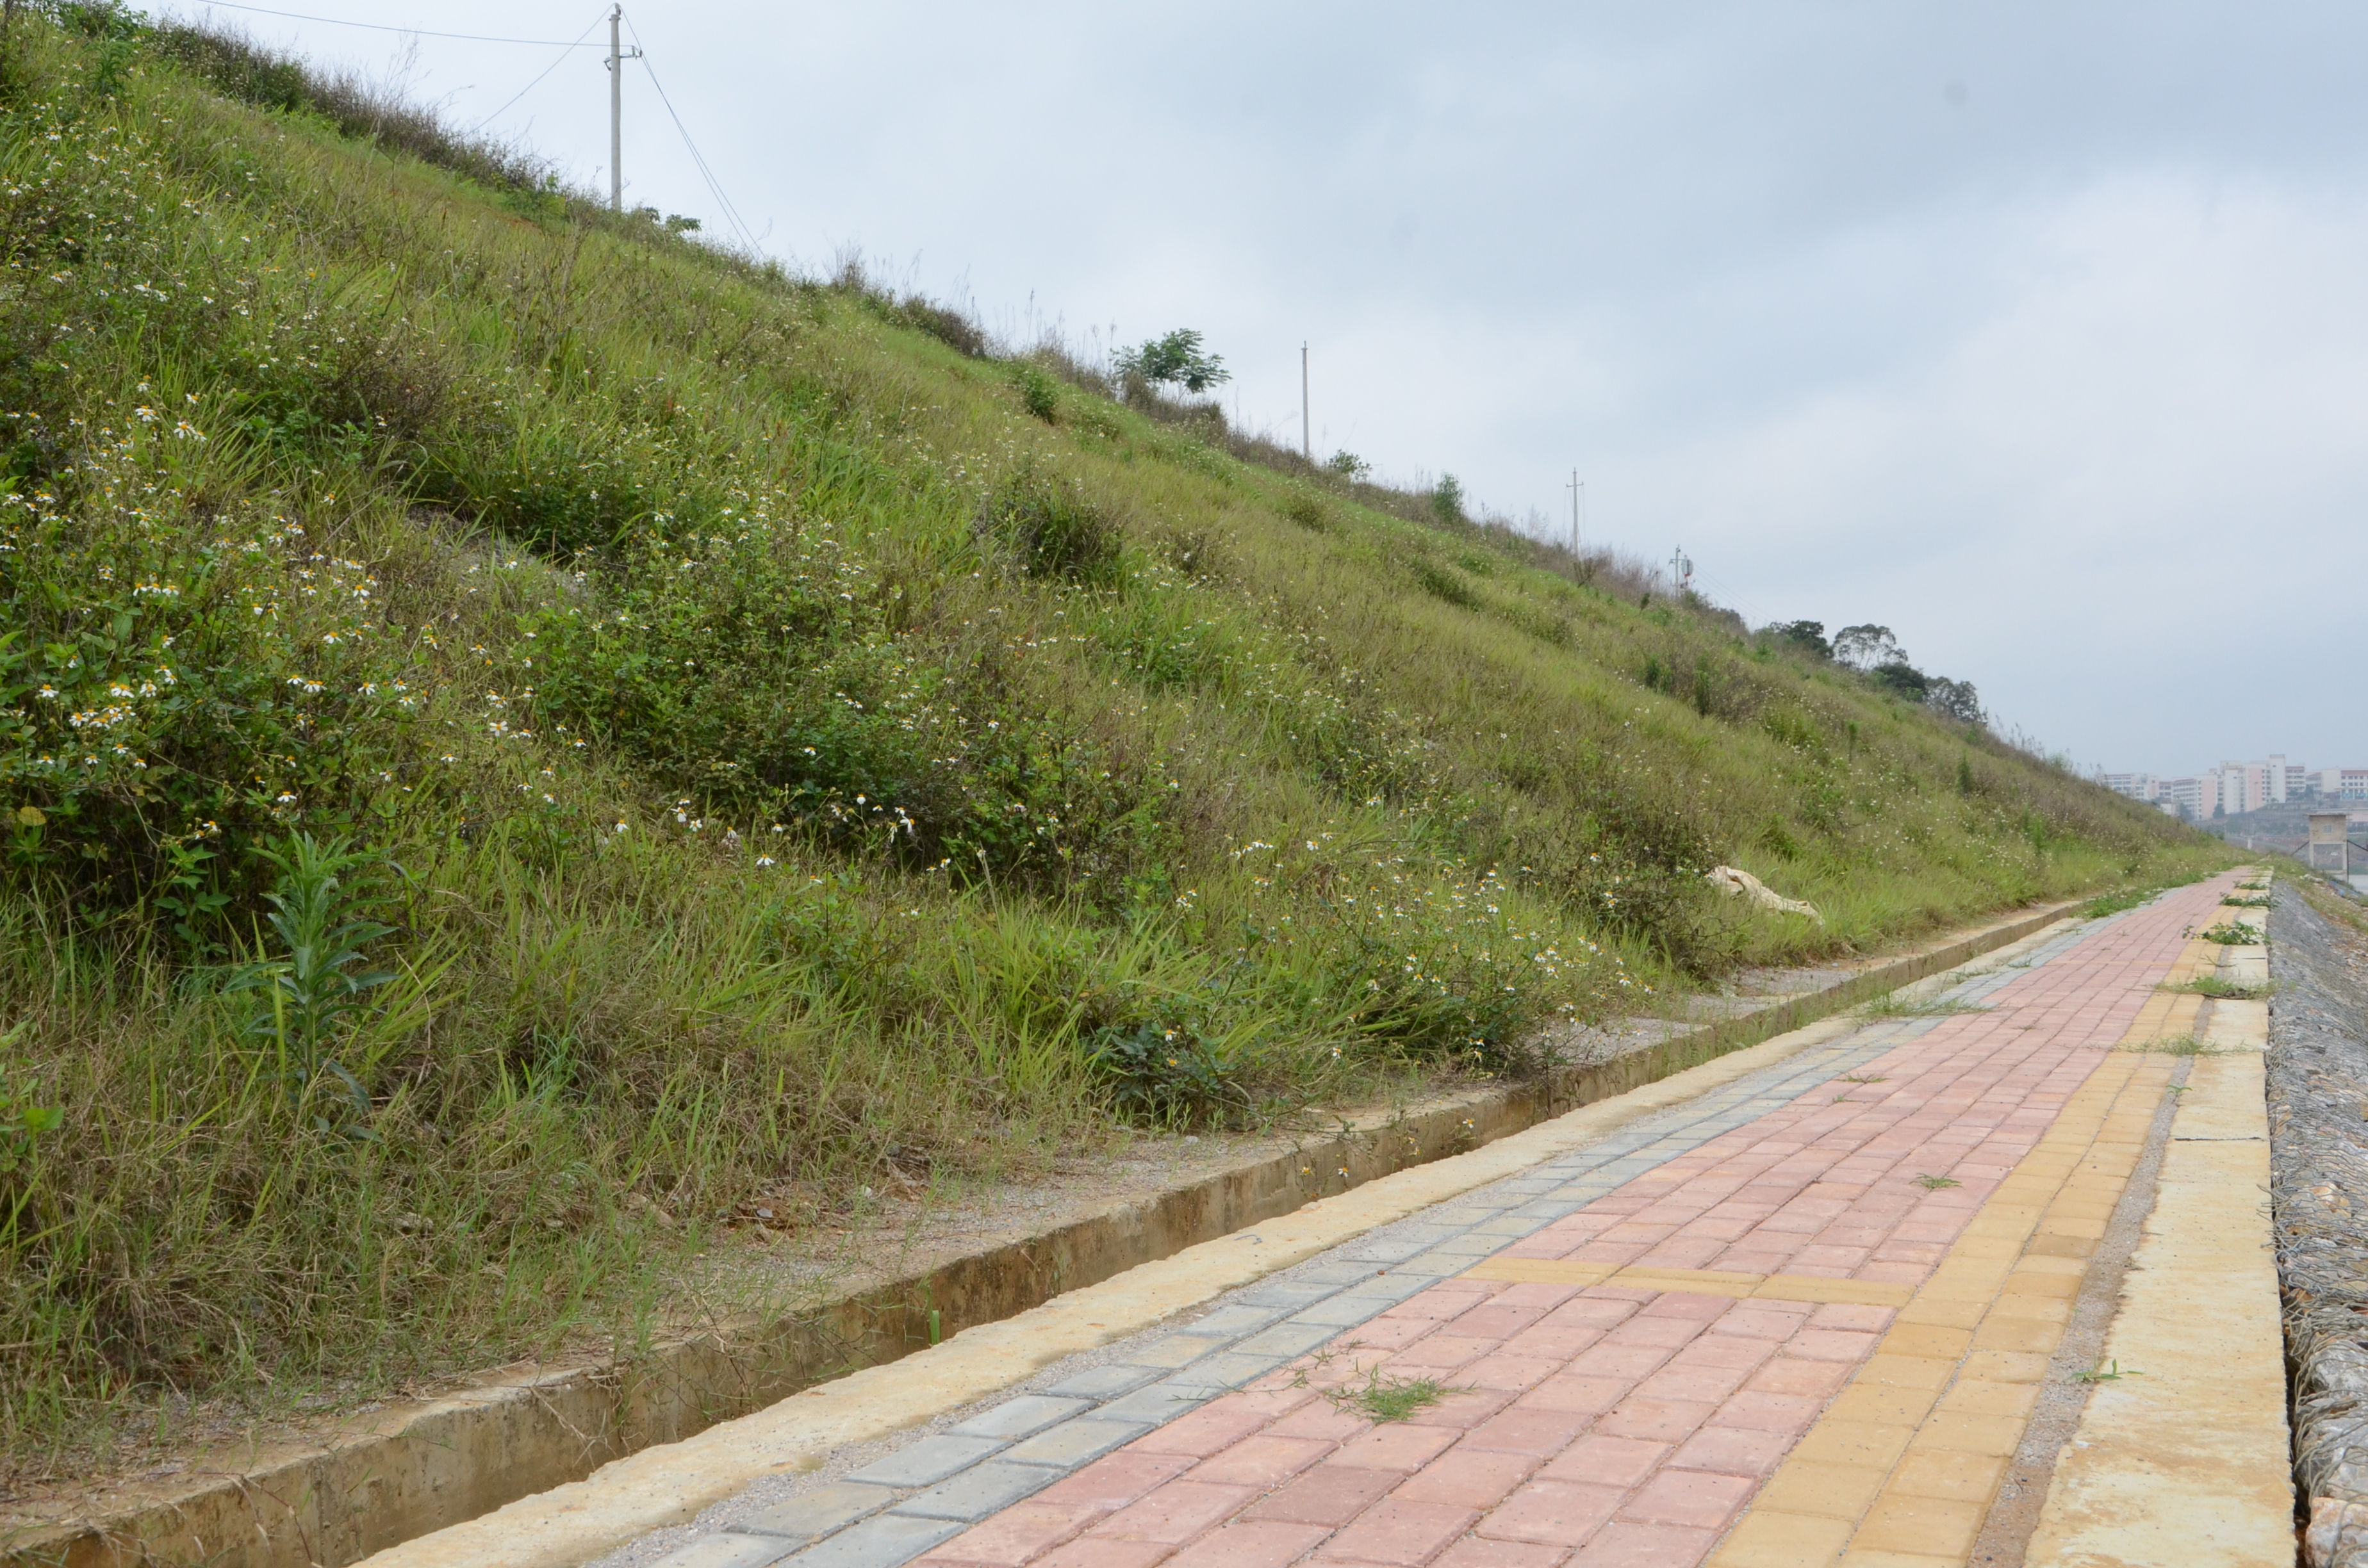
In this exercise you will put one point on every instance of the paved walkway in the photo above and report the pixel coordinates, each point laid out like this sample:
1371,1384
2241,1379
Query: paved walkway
1801,1320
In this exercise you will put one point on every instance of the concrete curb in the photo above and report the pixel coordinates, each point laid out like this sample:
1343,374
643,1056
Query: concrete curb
433,1465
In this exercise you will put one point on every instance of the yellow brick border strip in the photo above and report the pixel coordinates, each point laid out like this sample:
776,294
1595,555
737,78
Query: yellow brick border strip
1902,1468
2190,1462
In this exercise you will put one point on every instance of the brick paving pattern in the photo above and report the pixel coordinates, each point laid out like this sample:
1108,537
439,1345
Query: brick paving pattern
1627,1356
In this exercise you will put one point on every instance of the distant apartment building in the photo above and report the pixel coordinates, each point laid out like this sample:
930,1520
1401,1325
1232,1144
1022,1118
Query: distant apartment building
2250,786
2236,786
2343,783
2196,799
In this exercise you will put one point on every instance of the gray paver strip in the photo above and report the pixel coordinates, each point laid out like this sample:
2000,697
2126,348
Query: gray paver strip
884,1540
1262,1327
982,1489
819,1512
928,1461
1020,1416
1073,1443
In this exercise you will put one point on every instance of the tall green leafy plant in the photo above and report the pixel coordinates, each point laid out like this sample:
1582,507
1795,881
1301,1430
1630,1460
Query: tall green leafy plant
21,1123
314,992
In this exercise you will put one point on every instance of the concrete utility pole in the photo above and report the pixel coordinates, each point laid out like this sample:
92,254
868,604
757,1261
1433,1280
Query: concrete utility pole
1576,489
618,55
1307,435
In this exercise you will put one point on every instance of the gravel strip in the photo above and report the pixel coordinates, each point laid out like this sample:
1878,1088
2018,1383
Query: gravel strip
2318,1152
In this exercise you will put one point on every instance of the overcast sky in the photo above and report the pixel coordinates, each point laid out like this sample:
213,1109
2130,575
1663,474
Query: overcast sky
2036,332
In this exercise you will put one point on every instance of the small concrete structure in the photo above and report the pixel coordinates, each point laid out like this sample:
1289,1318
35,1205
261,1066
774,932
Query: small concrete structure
2330,848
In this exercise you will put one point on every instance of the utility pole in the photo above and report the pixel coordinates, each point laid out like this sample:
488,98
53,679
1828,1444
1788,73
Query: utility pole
618,55
1306,435
1681,571
1577,490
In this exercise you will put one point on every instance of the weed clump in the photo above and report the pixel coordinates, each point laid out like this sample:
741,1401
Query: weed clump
1051,532
1307,512
2179,1045
1168,1077
1039,394
2221,990
2114,903
1893,1007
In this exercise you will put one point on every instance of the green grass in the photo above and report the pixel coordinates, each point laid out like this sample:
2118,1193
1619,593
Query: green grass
2214,986
2177,1045
1394,1401
1379,1398
2336,906
2114,903
783,747
2106,1372
2228,933
1893,1007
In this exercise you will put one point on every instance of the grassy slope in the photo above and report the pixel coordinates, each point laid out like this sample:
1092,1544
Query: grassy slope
782,756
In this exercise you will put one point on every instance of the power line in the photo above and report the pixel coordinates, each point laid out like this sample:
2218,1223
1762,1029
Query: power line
557,60
705,173
383,27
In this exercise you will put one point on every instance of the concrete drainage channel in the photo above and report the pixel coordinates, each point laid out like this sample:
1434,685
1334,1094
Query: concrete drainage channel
438,1464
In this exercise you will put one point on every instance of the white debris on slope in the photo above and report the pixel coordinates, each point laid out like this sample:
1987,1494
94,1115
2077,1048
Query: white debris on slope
1749,886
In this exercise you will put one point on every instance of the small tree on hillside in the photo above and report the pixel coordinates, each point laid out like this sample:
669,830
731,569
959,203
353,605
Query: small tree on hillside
1900,676
1174,360
1956,699
1808,636
1867,647
1447,498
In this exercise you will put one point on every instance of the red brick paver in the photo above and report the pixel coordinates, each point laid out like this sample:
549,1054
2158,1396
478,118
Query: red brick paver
1591,1425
